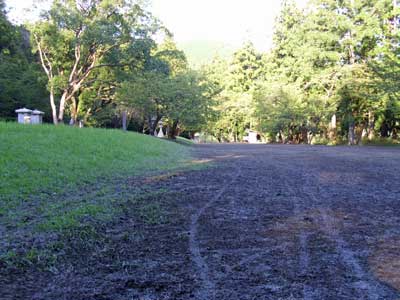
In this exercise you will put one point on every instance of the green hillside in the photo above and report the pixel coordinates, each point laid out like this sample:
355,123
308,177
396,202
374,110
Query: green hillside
37,159
200,52
61,185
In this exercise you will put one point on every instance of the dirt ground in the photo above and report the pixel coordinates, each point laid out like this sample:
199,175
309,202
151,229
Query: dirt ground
263,222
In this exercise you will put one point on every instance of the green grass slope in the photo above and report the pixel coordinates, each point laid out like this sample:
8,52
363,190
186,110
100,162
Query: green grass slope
49,159
61,187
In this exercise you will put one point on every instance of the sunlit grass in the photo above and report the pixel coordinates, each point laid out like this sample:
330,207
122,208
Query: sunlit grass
62,183
49,159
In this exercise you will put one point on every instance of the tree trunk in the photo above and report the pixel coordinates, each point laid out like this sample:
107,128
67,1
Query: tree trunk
309,137
332,128
351,137
304,135
384,129
53,107
62,107
282,137
290,135
151,128
173,132
124,127
69,94
360,132
235,134
394,134
371,125
153,125
74,112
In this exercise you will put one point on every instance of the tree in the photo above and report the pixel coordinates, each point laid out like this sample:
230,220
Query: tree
188,103
245,69
21,83
325,54
77,37
165,89
146,94
233,82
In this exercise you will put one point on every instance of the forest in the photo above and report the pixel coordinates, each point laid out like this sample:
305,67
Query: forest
331,77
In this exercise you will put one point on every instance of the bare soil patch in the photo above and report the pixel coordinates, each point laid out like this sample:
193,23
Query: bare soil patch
263,222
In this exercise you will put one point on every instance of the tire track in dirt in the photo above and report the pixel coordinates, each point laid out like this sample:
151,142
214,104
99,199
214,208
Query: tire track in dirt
275,243
250,274
304,263
304,255
349,257
207,290
244,261
327,224
254,253
308,292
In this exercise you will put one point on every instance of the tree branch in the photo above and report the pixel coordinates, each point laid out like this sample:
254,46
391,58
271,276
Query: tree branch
77,56
43,57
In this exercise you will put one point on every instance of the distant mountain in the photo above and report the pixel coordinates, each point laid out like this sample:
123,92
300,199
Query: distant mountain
200,52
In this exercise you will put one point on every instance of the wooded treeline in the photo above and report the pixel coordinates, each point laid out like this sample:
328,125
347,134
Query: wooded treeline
101,62
332,75
21,81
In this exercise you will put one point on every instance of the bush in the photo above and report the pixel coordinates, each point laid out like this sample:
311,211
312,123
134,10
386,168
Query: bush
379,141
320,140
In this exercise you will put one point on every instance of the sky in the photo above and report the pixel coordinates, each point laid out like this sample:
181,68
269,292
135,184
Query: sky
231,22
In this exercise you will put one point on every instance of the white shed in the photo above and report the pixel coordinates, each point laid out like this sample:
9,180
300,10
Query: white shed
37,117
252,137
24,115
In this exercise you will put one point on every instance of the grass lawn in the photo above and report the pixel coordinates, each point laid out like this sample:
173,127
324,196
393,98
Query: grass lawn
43,159
184,141
59,183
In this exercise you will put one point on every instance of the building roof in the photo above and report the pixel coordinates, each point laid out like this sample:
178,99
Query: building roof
23,110
37,112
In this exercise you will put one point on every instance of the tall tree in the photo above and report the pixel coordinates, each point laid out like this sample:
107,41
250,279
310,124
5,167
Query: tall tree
76,37
164,88
21,83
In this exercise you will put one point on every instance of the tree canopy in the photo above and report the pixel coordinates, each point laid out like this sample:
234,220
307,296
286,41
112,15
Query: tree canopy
330,77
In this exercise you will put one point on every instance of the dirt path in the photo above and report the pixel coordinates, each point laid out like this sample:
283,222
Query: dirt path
265,222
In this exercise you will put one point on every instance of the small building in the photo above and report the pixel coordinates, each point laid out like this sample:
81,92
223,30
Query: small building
197,138
28,116
24,115
252,137
37,117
